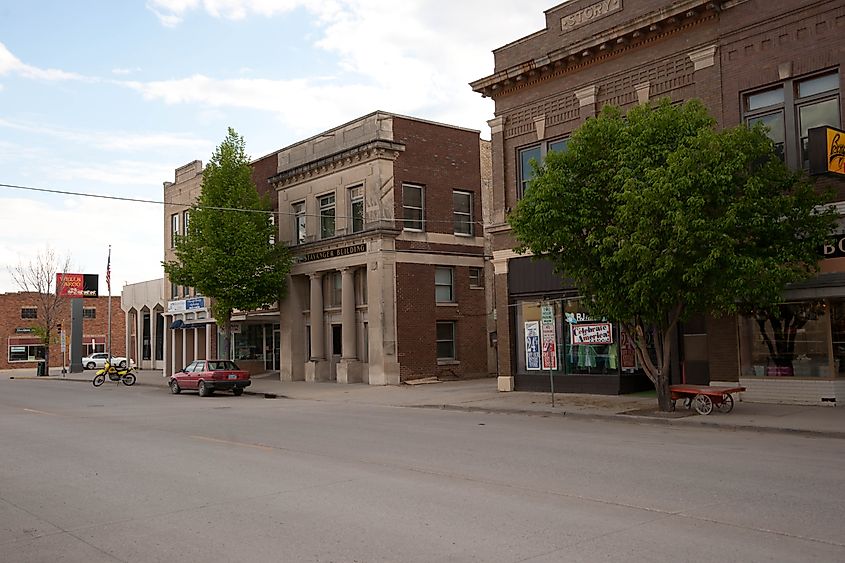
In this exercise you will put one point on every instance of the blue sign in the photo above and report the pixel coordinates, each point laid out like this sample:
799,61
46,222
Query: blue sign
195,303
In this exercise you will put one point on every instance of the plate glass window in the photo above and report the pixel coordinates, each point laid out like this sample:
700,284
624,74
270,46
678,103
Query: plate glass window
462,202
413,206
356,204
818,105
299,222
443,285
446,340
327,215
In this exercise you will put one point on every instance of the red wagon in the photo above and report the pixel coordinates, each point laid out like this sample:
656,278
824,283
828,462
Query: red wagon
703,398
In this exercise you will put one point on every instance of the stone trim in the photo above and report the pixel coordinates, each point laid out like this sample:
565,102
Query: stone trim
704,57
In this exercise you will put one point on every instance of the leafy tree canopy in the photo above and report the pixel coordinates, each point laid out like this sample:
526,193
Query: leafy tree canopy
228,252
657,215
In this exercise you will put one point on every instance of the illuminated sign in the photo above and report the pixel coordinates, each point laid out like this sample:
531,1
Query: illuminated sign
77,285
826,148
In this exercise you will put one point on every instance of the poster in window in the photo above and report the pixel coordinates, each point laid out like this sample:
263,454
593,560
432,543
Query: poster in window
548,340
591,334
532,345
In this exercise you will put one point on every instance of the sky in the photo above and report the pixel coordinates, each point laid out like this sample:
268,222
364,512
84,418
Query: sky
110,97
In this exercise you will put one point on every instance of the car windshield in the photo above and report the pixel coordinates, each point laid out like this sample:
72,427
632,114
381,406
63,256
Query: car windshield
221,365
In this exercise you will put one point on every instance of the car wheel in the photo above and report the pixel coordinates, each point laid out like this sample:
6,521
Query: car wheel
90,365
174,387
238,391
205,389
122,364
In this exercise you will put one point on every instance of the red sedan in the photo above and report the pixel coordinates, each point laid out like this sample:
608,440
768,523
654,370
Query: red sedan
208,376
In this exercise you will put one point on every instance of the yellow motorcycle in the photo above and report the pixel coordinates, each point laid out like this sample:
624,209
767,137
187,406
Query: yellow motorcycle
125,375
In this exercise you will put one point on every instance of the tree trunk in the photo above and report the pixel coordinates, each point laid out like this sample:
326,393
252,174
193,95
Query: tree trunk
664,396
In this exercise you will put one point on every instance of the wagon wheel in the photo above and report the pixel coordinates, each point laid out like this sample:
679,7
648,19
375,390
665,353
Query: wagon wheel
688,403
702,404
727,404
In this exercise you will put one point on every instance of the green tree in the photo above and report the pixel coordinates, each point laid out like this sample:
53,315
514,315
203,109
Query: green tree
658,215
228,252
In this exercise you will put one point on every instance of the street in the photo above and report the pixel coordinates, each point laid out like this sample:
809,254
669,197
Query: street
136,474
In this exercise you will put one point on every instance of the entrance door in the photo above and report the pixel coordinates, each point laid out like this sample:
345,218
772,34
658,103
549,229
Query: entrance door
337,348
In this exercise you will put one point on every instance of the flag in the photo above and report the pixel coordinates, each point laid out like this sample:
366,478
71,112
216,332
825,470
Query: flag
108,272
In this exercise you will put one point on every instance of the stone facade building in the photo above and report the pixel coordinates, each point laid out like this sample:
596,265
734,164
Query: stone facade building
775,61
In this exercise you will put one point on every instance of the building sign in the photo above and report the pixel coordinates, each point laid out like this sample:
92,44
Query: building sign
532,345
835,247
595,333
589,14
78,285
826,148
194,303
334,252
24,330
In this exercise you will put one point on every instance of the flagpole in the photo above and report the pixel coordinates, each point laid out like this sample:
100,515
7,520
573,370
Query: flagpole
108,284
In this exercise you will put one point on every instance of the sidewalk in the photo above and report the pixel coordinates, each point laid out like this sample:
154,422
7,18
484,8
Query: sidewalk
482,395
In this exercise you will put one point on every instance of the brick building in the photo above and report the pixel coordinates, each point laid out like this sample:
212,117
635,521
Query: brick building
383,215
775,61
19,315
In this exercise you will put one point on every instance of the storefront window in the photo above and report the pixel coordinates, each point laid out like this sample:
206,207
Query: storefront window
591,345
26,353
793,342
249,343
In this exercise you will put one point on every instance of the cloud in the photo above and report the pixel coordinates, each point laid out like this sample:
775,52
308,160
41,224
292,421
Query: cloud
10,64
125,71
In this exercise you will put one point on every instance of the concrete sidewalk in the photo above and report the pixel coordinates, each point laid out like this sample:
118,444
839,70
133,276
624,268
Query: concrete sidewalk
482,395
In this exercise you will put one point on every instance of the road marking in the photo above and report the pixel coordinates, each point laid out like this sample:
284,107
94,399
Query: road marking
41,412
231,443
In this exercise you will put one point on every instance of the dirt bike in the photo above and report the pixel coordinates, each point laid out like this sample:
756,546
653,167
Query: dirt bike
125,375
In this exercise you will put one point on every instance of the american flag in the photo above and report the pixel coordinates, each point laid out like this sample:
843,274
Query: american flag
108,272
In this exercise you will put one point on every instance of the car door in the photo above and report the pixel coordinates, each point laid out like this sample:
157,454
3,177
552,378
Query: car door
100,359
199,369
184,377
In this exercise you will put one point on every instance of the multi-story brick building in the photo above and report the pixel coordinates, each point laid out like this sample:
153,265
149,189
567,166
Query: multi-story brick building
383,215
19,317
774,61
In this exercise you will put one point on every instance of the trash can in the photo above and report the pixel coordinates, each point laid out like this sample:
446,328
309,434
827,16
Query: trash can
41,368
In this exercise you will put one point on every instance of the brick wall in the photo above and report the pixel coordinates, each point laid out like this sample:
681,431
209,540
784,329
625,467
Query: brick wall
10,319
417,316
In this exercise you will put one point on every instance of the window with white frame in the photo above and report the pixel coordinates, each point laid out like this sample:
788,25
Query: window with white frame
462,212
273,224
174,229
476,278
790,109
327,216
186,215
356,206
413,207
299,222
444,288
446,340
25,352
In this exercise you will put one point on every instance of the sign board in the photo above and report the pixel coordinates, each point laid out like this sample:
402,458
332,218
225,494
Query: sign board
78,285
195,303
334,252
826,150
591,334
834,247
532,345
548,340
24,330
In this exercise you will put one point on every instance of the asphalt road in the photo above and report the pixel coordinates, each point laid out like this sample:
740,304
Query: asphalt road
135,474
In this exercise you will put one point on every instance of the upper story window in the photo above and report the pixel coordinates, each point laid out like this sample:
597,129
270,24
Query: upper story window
186,215
444,287
174,290
89,312
29,312
335,289
299,222
476,278
174,229
791,109
535,153
356,205
462,213
413,207
273,223
327,215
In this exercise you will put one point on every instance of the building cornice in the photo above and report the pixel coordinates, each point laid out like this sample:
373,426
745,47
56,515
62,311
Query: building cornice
597,47
370,150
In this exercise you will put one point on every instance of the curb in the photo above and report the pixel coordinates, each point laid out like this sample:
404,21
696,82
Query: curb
635,419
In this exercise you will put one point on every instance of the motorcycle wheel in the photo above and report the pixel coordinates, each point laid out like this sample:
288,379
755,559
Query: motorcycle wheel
128,379
99,379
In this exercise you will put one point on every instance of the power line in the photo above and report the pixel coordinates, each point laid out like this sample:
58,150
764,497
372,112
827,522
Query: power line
212,208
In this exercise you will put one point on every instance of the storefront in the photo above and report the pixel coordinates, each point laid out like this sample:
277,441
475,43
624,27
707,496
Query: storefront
256,345
555,337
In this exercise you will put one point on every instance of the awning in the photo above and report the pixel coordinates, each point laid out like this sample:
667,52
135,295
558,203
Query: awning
178,323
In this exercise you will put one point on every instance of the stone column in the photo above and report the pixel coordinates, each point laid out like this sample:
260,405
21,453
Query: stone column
128,327
317,368
350,351
349,369
139,337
